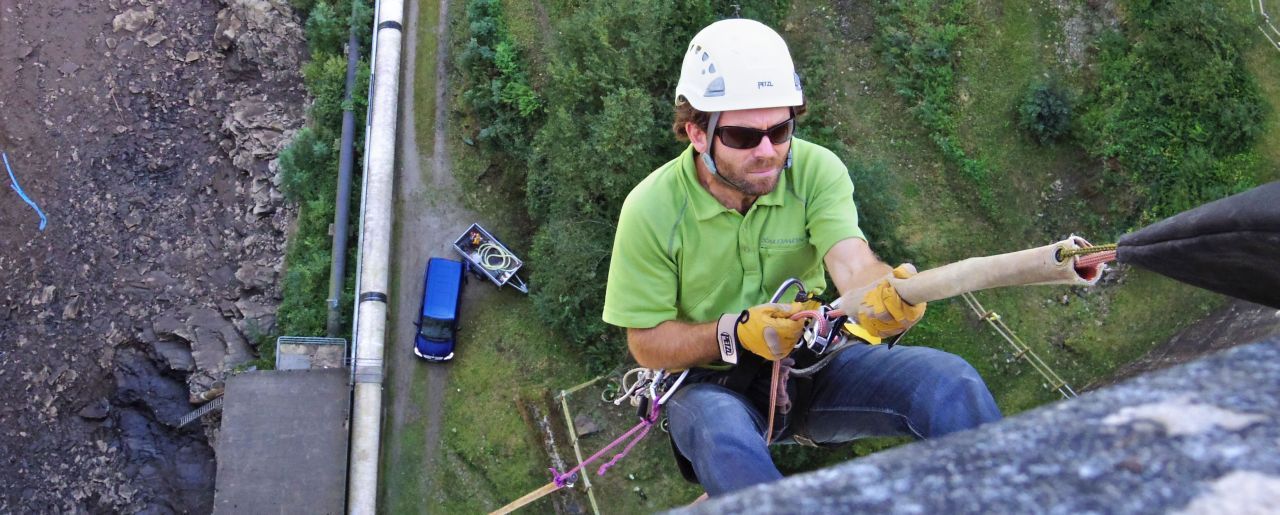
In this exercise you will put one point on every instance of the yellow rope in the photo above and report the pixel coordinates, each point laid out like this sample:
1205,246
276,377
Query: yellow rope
1066,253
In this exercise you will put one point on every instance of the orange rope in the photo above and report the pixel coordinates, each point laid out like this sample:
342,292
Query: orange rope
773,400
1092,260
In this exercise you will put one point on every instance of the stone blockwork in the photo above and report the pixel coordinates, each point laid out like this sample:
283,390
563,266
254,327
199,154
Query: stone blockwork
1200,438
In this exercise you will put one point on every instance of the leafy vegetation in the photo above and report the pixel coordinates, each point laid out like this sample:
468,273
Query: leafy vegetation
309,165
1175,113
498,95
919,42
1045,112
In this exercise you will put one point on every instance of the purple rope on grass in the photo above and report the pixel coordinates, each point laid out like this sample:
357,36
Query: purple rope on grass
561,480
648,424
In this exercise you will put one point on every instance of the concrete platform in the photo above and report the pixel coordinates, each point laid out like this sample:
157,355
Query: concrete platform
283,446
1200,438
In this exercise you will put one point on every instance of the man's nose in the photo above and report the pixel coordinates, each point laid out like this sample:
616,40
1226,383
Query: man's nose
765,148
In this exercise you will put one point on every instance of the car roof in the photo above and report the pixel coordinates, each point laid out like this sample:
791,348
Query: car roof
441,289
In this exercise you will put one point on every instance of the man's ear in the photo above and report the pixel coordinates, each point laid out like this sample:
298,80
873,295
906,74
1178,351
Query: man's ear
697,136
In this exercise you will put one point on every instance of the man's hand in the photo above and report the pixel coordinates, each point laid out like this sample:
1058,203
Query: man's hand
879,309
766,330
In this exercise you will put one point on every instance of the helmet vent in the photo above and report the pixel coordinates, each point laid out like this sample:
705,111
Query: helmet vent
716,88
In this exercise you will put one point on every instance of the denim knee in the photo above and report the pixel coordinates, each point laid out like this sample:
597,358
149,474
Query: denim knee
721,435
960,398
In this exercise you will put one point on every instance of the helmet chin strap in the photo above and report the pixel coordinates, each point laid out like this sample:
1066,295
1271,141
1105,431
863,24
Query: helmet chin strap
708,157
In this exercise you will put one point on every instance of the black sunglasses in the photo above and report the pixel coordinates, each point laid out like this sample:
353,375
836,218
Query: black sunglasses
746,137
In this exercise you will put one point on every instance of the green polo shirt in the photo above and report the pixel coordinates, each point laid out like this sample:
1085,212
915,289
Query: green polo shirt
681,255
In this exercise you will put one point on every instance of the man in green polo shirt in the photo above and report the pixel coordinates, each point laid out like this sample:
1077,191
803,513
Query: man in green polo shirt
704,240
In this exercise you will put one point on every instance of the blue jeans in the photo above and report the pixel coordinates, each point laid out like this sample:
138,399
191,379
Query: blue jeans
864,391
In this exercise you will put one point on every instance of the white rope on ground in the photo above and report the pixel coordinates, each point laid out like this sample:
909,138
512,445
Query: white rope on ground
1266,20
573,438
1268,36
1023,351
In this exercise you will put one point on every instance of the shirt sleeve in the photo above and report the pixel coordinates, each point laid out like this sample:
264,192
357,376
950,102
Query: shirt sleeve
830,212
641,292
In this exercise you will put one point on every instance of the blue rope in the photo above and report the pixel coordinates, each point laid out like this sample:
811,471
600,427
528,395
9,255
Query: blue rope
13,183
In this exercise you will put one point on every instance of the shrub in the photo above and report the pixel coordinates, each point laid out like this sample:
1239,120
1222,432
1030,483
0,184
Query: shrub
1045,112
326,29
304,165
325,77
302,7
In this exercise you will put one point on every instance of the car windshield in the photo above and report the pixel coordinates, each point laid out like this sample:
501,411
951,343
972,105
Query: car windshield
433,329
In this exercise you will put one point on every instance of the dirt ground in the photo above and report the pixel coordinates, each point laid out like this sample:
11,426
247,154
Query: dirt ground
146,130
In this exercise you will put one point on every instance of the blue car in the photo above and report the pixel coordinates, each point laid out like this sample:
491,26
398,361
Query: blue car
438,316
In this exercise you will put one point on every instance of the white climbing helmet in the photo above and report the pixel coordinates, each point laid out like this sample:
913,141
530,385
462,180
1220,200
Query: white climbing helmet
738,64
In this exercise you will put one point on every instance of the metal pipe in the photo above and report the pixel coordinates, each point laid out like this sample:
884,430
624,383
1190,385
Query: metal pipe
338,262
371,302
364,180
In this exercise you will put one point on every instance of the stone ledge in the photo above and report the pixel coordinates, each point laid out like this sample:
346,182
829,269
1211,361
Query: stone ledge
1199,438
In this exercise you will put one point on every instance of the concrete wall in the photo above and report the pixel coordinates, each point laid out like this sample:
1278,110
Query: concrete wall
1199,438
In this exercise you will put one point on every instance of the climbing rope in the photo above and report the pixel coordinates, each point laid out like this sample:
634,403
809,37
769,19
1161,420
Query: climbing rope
649,384
1081,251
1021,349
1092,260
1087,258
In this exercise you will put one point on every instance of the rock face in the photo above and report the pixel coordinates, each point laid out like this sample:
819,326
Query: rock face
1198,438
148,131
259,37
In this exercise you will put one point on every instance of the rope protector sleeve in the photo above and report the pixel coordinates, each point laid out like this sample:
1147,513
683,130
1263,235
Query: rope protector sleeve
1025,267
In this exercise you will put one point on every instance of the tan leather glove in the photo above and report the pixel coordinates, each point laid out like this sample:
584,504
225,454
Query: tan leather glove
879,309
766,330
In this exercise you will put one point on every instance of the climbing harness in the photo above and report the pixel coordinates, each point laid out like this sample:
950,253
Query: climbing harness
649,390
827,331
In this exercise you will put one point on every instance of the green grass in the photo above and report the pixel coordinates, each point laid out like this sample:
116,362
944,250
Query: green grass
527,22
402,485
424,75
1010,45
1263,61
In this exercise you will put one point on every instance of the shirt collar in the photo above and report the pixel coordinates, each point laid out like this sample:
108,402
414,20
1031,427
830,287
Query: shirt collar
706,206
